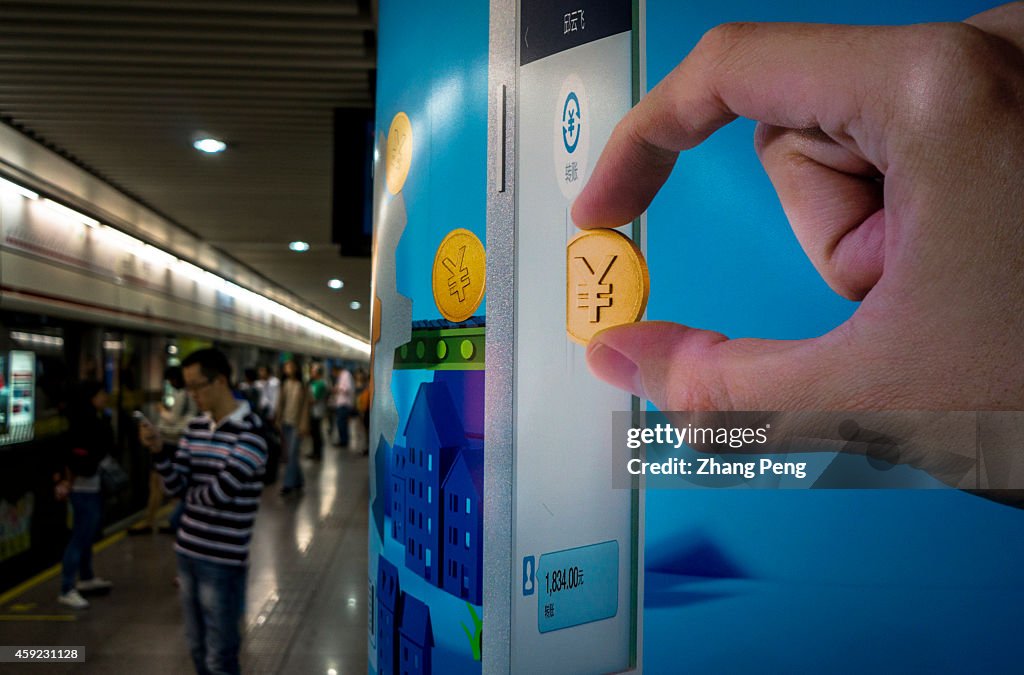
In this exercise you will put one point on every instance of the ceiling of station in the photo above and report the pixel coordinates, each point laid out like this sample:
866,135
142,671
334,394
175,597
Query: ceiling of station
124,87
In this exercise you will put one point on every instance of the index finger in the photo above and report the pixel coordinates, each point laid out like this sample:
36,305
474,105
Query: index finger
786,74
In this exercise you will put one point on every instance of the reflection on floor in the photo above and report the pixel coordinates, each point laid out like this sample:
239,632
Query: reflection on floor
305,606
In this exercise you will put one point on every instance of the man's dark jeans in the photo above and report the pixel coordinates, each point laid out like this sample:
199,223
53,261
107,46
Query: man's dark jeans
213,597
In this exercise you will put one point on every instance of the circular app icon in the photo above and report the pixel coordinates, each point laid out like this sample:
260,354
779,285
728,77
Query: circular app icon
571,137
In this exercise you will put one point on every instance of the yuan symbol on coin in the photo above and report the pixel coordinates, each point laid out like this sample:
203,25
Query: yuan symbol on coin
607,283
398,153
459,275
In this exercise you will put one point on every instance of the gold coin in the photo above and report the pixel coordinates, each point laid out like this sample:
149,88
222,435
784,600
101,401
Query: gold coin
606,283
459,275
398,153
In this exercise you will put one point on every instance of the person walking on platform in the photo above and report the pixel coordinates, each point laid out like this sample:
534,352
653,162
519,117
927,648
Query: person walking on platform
175,412
249,388
91,438
344,404
293,420
317,410
217,469
332,408
361,420
270,389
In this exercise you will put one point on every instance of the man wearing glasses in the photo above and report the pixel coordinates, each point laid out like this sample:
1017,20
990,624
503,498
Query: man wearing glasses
217,468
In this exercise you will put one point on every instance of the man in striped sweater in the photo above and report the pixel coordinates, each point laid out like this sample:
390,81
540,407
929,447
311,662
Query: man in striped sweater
217,469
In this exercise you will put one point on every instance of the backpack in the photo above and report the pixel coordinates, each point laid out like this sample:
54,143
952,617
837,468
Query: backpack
252,396
270,435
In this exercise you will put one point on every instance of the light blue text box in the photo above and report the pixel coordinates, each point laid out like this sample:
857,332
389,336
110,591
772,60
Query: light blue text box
577,586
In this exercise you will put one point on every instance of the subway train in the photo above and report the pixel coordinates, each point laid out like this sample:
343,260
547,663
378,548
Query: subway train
42,360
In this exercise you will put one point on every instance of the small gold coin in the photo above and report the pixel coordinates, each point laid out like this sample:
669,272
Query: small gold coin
607,283
398,153
459,275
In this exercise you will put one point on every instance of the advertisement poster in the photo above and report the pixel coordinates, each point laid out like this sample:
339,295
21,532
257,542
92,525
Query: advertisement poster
5,397
425,575
17,397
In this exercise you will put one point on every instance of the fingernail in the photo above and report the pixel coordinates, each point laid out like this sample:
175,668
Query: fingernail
615,368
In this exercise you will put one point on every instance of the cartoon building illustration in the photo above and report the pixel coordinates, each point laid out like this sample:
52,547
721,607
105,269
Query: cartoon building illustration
462,547
389,595
434,435
416,638
396,497
405,637
380,507
436,483
438,452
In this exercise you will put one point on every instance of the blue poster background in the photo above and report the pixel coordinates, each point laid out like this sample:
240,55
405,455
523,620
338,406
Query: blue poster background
432,65
800,581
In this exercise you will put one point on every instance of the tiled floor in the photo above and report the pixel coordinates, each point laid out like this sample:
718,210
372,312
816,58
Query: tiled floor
306,600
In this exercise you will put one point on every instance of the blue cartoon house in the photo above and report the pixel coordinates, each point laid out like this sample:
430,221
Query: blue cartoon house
389,596
416,638
396,496
434,435
463,525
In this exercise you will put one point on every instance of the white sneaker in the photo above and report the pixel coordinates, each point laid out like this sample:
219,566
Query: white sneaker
73,599
94,584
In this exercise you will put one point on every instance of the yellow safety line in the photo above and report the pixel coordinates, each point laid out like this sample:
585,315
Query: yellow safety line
50,573
112,539
45,575
38,617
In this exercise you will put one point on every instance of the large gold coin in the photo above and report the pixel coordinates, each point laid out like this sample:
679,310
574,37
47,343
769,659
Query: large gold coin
459,275
607,283
398,153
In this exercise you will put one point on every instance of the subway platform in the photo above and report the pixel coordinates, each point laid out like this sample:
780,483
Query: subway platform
305,603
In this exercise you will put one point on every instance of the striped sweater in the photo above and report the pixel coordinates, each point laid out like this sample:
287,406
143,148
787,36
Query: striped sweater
217,469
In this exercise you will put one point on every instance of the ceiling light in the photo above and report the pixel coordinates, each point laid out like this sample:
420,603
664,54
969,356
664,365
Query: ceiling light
355,304
210,146
336,284
299,246
37,339
70,213
14,187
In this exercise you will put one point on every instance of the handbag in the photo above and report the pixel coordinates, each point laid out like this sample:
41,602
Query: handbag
113,478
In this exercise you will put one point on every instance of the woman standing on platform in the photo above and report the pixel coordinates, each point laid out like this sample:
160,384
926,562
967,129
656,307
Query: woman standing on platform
91,439
293,419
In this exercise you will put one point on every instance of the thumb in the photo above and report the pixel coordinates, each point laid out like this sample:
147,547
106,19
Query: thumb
681,368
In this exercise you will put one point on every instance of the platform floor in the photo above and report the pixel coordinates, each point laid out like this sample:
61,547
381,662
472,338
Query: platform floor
305,606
